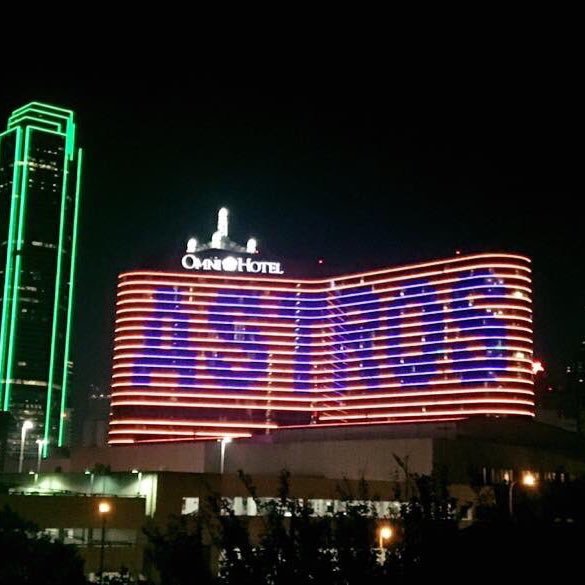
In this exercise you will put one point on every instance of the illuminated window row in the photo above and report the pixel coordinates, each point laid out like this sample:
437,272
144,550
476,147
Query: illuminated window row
254,388
294,397
197,296
129,370
386,312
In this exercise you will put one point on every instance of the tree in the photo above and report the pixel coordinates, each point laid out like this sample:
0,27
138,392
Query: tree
293,548
30,557
288,544
428,522
355,536
178,552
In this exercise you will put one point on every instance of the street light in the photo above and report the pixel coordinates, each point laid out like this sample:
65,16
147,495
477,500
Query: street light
137,471
223,442
528,480
385,533
104,508
91,475
41,443
26,426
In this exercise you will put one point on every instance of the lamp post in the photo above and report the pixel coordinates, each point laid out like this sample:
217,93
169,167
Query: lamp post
104,508
41,443
528,480
223,442
26,426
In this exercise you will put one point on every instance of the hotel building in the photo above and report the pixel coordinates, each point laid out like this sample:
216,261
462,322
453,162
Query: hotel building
231,347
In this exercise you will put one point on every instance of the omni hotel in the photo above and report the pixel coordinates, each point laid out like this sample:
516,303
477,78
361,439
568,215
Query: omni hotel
229,346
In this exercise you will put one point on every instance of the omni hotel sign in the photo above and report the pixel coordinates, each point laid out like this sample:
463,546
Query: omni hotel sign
230,264
220,241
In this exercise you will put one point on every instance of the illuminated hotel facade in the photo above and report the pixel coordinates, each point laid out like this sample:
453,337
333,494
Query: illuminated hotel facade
39,204
203,355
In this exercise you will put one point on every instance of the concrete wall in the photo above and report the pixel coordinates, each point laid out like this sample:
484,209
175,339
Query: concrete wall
186,457
354,459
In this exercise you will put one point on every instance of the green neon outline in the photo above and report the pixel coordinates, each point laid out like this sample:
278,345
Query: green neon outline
45,130
65,380
16,117
58,285
42,105
16,285
9,252
21,121
65,123
6,271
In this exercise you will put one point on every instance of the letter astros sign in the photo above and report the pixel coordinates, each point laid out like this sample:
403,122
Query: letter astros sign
230,264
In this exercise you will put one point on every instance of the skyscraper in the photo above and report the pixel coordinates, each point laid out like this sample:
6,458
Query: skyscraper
39,204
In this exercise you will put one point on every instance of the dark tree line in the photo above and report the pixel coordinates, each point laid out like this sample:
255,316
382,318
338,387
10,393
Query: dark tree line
30,557
287,544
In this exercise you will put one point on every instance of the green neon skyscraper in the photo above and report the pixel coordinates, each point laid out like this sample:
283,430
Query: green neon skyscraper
40,176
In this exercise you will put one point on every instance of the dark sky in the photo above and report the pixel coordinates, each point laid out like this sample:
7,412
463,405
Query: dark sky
351,172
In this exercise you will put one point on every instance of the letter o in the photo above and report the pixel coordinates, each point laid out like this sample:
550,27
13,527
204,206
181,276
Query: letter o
191,262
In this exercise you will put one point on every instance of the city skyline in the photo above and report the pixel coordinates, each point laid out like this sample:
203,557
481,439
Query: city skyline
343,180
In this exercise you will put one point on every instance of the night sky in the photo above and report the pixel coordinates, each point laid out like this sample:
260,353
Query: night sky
364,174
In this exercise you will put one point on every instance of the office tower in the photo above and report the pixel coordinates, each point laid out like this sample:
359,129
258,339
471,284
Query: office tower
39,204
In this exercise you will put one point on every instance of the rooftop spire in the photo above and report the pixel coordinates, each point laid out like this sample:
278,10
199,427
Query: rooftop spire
222,222
220,239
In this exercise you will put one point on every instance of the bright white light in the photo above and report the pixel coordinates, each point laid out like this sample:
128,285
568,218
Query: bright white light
537,367
226,440
216,240
192,245
252,246
27,425
222,222
386,532
229,264
104,507
529,479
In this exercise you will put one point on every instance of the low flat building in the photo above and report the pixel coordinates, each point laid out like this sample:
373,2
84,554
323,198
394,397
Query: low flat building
490,447
326,466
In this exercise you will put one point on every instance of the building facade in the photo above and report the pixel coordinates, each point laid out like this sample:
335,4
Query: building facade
39,197
215,355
